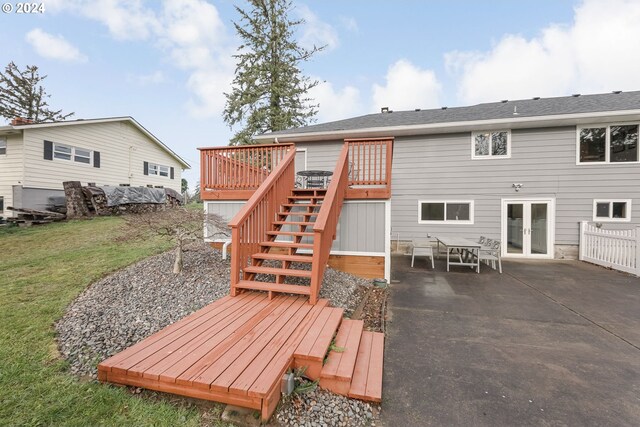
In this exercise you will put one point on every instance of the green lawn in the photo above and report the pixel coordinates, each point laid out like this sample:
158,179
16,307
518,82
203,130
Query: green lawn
42,270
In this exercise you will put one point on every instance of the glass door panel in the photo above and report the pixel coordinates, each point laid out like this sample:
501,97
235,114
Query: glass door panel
539,225
515,228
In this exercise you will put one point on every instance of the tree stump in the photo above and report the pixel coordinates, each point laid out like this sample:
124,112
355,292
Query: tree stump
76,203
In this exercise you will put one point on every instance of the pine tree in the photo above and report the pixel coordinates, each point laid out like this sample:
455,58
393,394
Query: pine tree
269,92
21,95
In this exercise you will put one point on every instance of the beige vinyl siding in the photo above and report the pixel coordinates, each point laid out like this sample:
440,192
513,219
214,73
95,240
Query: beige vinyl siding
11,170
123,151
543,160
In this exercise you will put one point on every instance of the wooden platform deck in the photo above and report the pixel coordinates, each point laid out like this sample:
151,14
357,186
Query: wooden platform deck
236,350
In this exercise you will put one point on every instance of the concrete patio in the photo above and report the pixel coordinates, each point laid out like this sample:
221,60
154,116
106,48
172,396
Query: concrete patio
546,343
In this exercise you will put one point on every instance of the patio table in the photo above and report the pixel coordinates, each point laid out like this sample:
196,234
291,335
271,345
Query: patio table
459,244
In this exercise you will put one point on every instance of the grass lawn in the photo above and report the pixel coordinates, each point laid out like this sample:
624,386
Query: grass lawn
43,270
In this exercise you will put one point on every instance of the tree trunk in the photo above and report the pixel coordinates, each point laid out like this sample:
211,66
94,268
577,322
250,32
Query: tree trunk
177,265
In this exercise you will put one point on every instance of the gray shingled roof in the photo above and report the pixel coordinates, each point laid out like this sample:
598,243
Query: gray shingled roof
535,107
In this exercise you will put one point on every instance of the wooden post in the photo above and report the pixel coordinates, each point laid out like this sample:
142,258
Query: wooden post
76,203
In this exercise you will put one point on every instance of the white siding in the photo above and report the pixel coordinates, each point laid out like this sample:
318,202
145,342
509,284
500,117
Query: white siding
11,170
122,147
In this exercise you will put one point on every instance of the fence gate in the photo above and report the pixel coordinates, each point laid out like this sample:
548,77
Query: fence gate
617,249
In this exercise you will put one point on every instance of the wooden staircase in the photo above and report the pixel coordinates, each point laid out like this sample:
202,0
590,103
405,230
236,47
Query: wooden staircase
289,233
348,362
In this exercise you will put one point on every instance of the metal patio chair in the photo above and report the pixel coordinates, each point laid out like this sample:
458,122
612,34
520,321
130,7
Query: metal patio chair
492,254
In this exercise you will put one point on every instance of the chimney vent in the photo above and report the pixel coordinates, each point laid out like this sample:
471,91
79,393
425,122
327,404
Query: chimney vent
617,92
384,110
535,98
444,108
575,95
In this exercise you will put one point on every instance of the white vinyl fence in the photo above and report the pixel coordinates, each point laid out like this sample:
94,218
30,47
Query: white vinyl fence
618,249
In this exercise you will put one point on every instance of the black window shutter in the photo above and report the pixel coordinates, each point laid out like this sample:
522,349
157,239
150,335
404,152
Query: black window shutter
96,159
171,173
48,150
146,168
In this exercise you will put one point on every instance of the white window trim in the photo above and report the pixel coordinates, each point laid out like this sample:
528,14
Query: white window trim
447,221
157,170
611,201
490,156
73,154
3,144
607,146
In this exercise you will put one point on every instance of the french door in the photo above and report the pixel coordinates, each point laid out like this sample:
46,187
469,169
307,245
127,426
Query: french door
528,228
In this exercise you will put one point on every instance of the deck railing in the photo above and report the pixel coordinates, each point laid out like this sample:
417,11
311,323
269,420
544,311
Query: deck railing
324,229
236,172
370,167
618,249
249,227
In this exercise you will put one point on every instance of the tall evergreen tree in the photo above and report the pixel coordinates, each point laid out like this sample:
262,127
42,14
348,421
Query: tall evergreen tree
22,95
269,92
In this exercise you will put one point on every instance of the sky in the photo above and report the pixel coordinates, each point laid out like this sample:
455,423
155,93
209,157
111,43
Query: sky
168,63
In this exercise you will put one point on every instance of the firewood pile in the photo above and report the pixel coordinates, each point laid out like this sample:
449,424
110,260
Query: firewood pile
91,200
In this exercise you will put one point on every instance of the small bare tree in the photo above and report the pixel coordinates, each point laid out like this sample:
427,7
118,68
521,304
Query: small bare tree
178,225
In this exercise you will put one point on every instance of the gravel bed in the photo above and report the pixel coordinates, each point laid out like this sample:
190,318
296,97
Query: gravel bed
131,304
320,408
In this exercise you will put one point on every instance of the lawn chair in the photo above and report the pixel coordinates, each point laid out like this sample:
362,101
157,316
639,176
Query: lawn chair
422,249
491,253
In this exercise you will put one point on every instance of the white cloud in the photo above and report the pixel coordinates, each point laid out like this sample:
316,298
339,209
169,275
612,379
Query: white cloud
189,31
154,78
407,87
336,104
316,32
53,46
598,52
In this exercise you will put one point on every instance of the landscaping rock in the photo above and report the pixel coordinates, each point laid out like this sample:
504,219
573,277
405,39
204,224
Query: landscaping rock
131,304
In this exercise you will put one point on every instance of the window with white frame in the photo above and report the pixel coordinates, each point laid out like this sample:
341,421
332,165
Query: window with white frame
3,146
616,143
612,210
445,212
67,152
158,170
491,144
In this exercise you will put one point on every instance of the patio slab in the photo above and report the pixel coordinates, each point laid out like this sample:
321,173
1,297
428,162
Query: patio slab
545,343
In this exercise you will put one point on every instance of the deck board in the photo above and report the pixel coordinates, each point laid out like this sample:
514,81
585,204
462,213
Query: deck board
234,350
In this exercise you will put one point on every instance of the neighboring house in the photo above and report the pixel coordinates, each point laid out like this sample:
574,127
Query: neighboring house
36,158
525,172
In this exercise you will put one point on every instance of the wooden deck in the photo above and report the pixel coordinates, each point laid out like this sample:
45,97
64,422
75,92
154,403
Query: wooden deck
236,350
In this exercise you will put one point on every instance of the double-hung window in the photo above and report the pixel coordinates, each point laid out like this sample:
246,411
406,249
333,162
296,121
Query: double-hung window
612,210
3,146
608,143
491,144
68,152
445,212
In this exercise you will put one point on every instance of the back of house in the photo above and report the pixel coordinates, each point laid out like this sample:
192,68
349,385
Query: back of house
524,172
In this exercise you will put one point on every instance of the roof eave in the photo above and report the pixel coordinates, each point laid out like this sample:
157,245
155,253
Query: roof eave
108,120
449,127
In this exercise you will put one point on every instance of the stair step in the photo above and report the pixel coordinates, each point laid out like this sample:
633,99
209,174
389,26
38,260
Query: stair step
290,233
287,245
338,370
315,344
274,287
309,190
282,257
277,271
306,197
307,223
366,383
302,205
296,213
